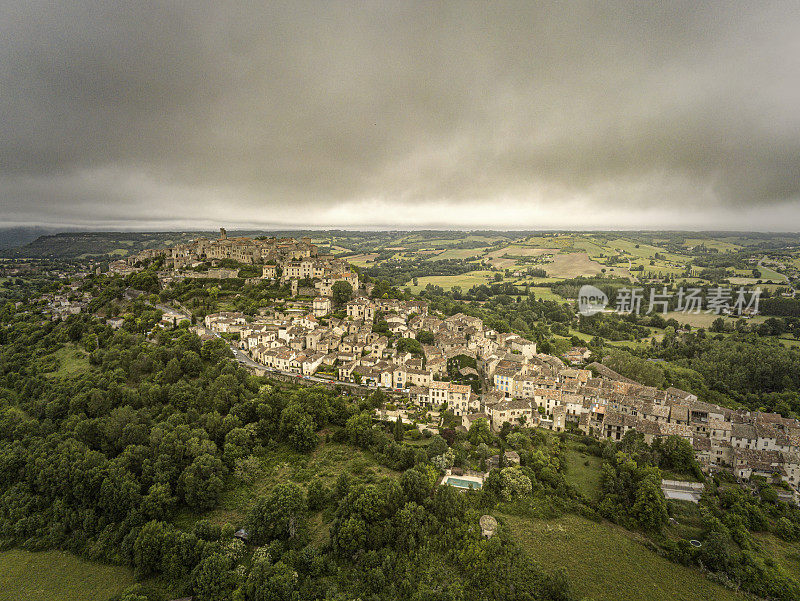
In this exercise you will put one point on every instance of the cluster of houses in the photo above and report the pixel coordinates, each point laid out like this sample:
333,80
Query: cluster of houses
603,403
63,304
250,251
305,339
349,349
288,260
520,385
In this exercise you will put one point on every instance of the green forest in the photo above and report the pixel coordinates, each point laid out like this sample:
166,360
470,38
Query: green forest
102,461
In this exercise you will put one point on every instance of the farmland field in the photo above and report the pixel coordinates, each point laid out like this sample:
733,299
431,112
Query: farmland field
606,563
743,281
550,241
465,280
458,253
593,247
572,265
643,250
58,576
362,260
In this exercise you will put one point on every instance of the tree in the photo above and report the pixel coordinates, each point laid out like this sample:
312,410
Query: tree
718,325
444,461
349,536
437,446
479,432
514,482
399,429
318,494
409,345
270,582
159,502
677,454
416,486
518,441
145,281
359,429
201,483
215,349
650,508
278,515
298,427
718,548
191,364
172,372
341,293
425,337
213,579
147,548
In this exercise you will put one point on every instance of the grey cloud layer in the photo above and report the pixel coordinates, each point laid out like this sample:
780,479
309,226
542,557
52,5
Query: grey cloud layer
134,112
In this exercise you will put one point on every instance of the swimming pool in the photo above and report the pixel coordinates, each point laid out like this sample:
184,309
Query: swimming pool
462,483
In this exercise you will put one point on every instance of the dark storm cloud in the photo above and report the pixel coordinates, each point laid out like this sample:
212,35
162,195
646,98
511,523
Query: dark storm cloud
467,114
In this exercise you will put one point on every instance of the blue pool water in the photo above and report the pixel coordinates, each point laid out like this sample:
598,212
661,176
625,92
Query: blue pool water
460,483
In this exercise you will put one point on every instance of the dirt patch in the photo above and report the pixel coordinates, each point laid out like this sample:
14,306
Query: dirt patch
571,265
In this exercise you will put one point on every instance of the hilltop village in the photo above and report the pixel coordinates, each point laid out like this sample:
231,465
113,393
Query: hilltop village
453,363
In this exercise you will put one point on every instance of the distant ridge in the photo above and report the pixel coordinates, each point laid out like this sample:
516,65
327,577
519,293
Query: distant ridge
87,245
11,237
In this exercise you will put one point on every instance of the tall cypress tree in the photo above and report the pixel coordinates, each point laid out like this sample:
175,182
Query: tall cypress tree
399,430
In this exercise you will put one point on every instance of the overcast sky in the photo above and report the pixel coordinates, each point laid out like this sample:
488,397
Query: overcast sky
398,114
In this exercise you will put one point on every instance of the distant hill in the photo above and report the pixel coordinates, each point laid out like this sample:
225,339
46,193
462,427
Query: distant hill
88,245
84,245
17,236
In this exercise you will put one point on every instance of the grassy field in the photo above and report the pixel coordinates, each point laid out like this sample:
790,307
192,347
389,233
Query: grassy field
71,360
606,563
689,521
704,320
327,462
586,478
789,341
593,247
770,275
545,293
787,555
58,576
